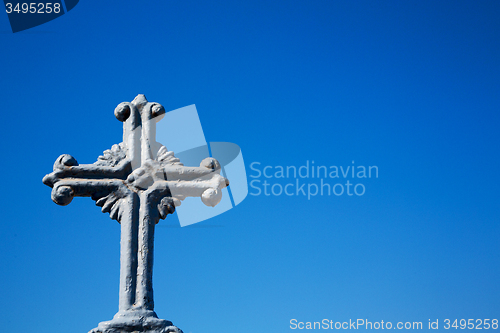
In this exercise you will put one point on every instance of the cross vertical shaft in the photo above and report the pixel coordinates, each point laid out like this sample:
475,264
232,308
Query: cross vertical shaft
144,299
128,250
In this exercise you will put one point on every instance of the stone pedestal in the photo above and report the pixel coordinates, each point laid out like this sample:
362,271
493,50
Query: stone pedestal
135,322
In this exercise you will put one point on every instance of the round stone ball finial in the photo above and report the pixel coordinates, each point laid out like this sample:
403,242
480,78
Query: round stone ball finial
122,112
157,111
62,195
211,197
210,163
63,161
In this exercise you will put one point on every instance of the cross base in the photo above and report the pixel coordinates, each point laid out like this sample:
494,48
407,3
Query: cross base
136,323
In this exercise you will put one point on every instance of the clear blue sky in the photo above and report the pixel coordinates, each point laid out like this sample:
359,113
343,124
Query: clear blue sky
412,87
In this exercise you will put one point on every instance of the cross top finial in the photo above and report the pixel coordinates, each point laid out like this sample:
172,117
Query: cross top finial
139,119
140,99
147,110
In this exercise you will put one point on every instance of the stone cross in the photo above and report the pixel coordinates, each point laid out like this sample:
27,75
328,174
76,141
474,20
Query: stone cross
137,182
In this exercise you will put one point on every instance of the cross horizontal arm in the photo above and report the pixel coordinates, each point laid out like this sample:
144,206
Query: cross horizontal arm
187,173
152,171
167,195
66,166
196,188
65,189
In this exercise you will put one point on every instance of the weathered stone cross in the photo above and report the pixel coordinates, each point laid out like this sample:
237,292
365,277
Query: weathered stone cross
138,182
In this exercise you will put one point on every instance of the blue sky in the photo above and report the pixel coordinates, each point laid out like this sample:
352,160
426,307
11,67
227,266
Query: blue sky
412,87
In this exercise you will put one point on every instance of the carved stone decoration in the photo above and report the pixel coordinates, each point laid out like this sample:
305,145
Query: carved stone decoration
138,182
